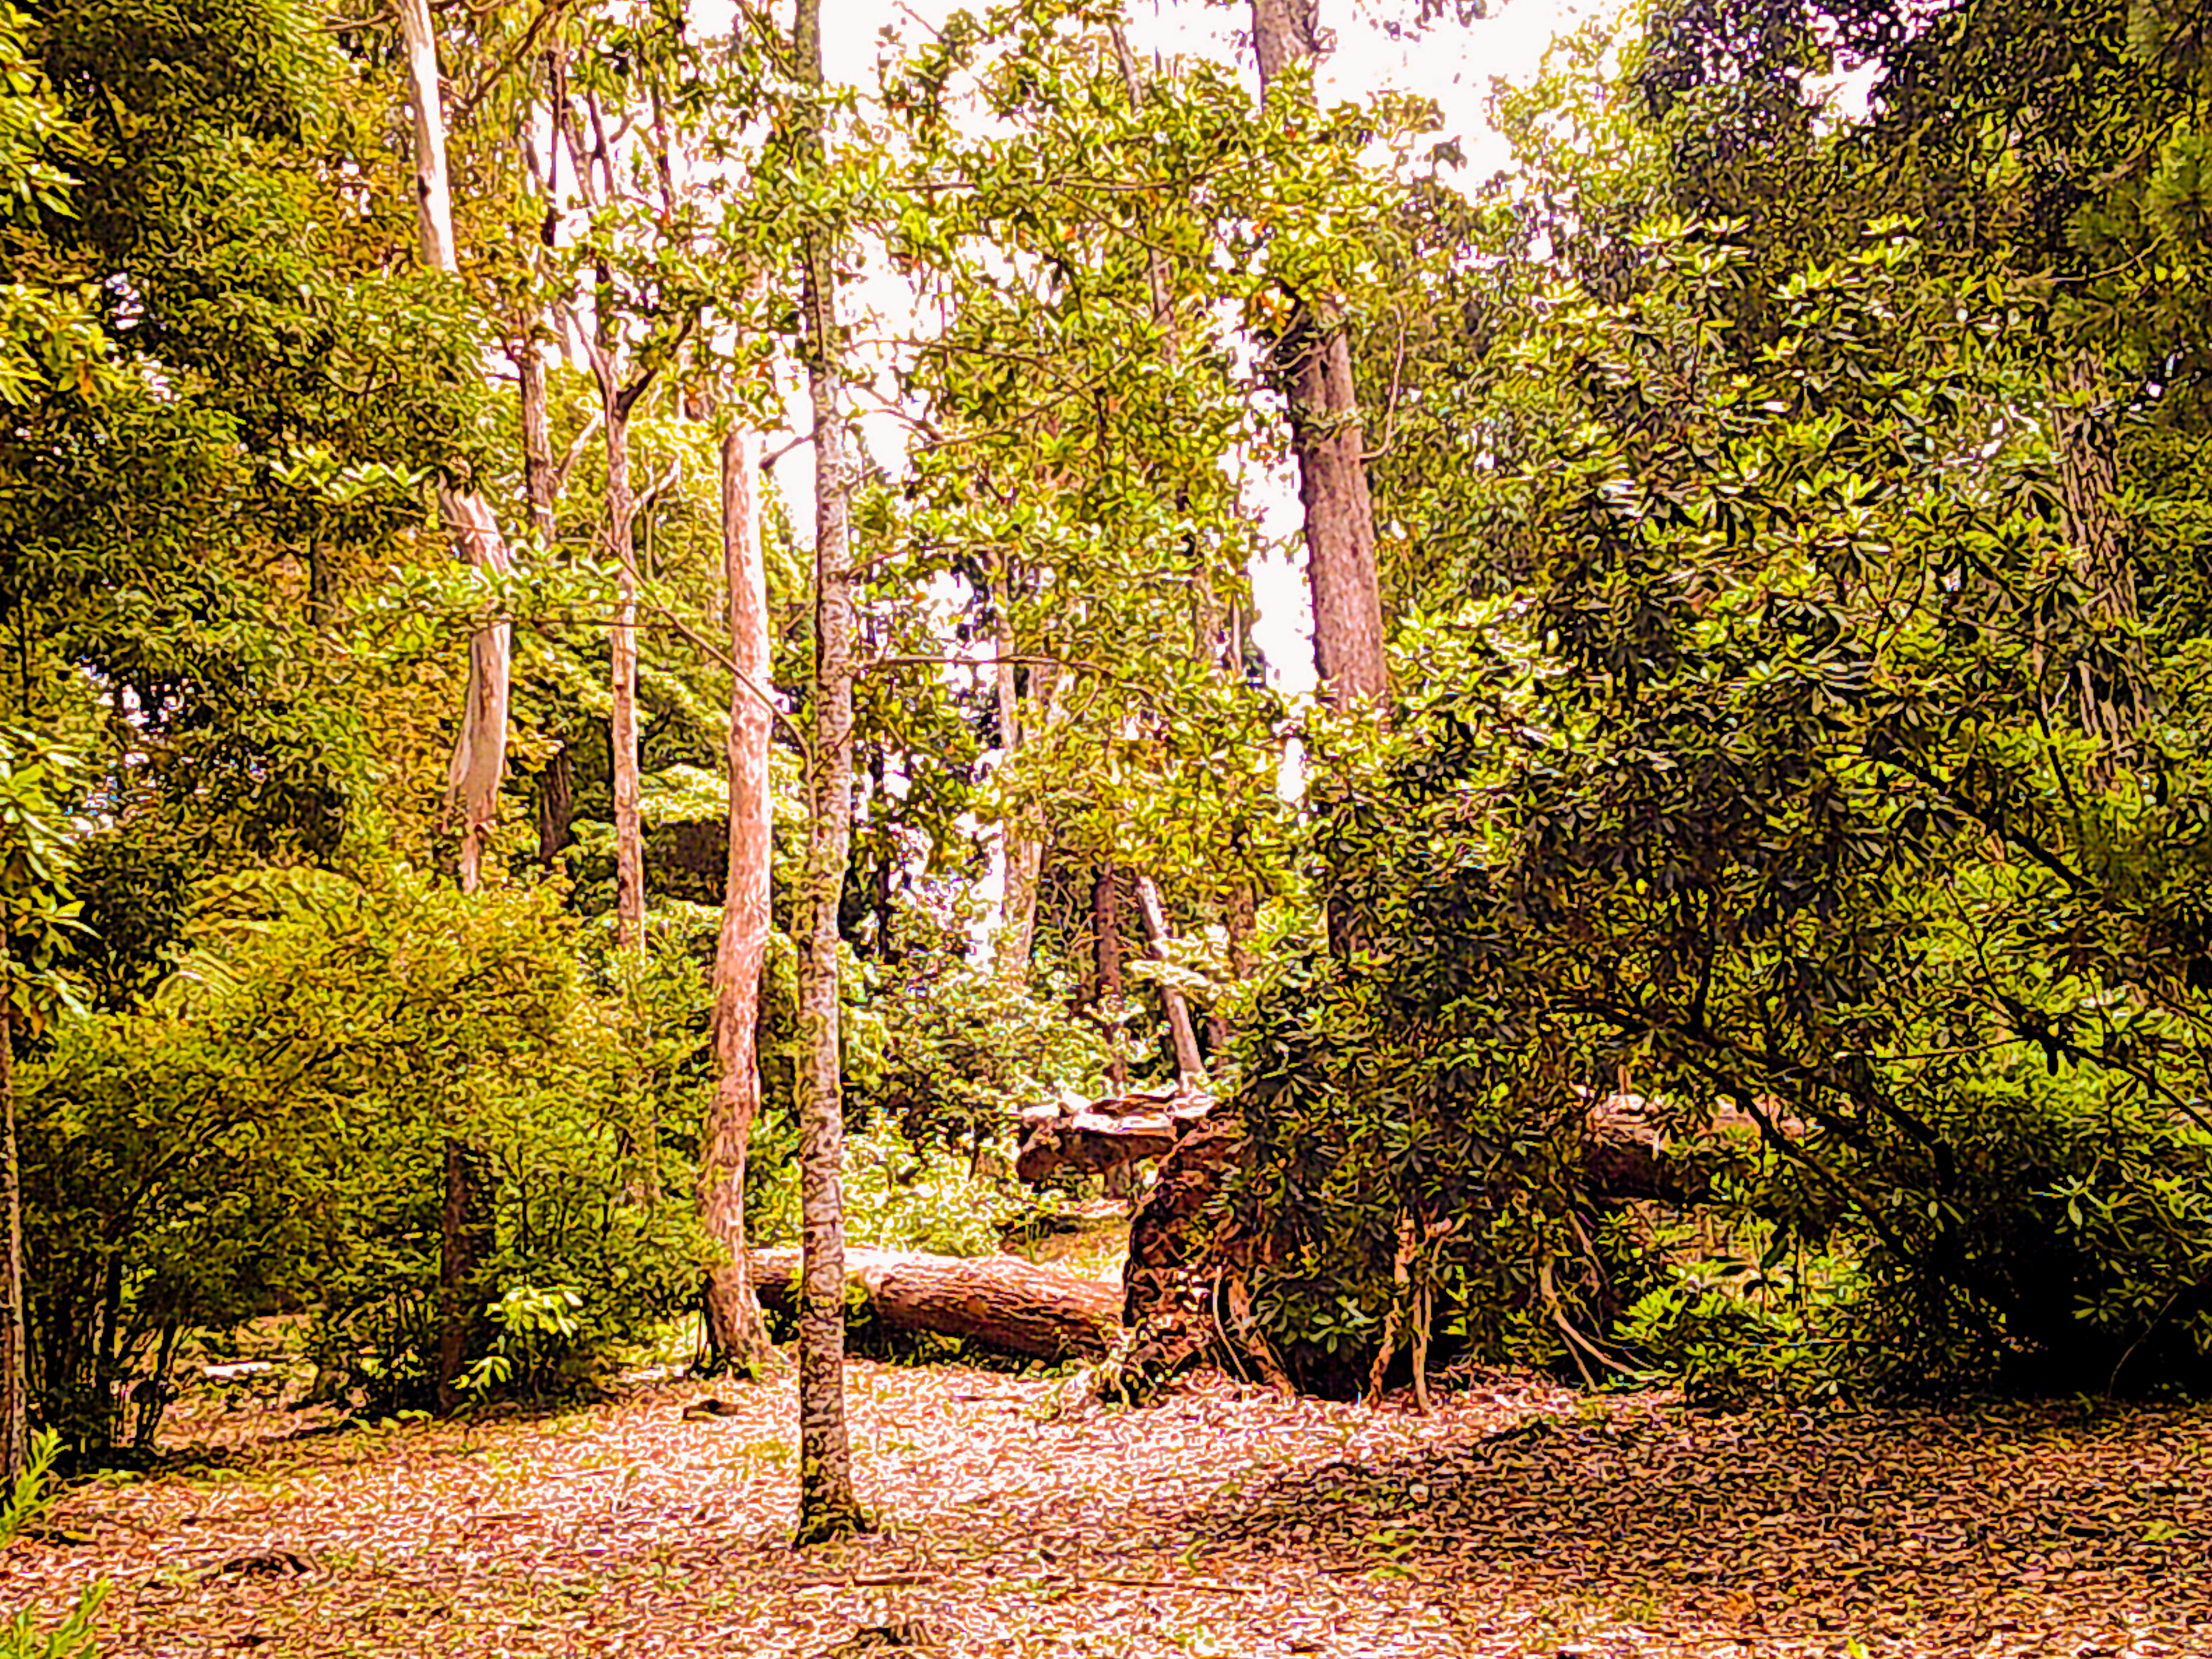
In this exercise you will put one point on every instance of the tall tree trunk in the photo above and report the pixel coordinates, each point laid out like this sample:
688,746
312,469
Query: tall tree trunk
621,639
2111,693
1313,366
736,1337
828,1509
480,754
479,763
1190,1071
14,1329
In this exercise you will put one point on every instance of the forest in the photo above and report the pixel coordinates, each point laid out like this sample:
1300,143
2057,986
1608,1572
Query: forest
829,829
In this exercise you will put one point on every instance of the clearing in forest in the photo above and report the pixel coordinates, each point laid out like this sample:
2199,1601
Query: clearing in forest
1520,1520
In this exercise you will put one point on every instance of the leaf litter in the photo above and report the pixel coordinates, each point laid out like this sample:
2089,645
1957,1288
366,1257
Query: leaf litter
1018,1520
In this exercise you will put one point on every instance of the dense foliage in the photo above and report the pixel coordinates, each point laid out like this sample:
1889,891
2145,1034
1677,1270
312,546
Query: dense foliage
1792,521
1829,744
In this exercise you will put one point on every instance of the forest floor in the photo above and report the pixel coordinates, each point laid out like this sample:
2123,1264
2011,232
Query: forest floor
1520,1519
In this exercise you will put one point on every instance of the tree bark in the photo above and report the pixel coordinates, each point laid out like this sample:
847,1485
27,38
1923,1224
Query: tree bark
829,1507
1624,1154
557,795
736,1337
1190,1071
539,483
1016,1307
14,1330
467,1240
1023,837
622,642
479,760
1312,367
479,763
1106,955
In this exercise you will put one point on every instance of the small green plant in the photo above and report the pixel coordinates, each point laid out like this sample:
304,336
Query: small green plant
20,1638
538,1326
1728,1348
32,1496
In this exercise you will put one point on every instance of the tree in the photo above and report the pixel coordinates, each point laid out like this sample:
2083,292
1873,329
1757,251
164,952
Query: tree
1312,361
479,763
35,916
735,1334
480,751
828,1509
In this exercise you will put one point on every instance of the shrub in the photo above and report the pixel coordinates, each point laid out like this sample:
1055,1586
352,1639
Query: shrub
897,1198
270,1134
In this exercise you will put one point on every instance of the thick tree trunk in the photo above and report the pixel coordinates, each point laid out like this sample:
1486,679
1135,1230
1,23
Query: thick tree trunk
829,1507
1016,1307
1313,366
1189,1070
479,763
735,1335
1101,1135
14,1329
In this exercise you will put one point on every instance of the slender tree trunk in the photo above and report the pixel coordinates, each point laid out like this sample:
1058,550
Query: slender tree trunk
1025,830
465,1229
1106,959
538,475
828,1509
556,802
1190,1071
479,763
2111,693
480,754
622,639
736,1337
1313,366
15,1327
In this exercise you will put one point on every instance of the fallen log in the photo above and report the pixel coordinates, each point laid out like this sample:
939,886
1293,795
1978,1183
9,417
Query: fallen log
1095,1136
1625,1154
1016,1307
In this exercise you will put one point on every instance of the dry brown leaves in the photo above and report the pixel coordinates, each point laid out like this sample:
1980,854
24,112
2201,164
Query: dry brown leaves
1226,1521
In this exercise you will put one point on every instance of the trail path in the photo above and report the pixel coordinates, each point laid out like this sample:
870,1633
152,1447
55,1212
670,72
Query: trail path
1228,1522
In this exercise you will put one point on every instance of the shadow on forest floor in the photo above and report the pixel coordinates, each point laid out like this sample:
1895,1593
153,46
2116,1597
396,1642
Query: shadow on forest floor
1969,1521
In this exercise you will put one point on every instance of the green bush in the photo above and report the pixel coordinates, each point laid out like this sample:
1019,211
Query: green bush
962,1052
897,1198
269,1134
21,1636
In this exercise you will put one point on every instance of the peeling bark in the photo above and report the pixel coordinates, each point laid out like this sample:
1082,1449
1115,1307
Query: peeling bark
735,1334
